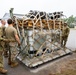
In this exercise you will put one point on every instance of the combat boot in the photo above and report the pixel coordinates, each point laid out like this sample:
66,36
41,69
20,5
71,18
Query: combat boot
14,64
2,70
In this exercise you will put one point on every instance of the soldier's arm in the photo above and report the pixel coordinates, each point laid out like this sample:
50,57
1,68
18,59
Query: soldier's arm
67,31
17,39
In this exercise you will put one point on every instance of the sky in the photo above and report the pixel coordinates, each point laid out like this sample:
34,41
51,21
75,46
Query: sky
24,6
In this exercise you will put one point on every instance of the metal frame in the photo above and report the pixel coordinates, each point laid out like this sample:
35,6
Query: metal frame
40,45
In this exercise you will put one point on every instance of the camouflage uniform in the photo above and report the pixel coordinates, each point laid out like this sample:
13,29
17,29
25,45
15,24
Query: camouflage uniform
10,34
1,49
5,47
2,70
65,33
3,22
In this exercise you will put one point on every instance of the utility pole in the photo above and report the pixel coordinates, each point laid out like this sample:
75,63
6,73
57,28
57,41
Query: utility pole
11,13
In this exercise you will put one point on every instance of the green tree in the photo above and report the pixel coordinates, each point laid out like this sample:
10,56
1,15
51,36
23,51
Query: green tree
70,20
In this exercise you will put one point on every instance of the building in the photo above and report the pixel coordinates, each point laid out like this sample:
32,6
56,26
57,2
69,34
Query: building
7,16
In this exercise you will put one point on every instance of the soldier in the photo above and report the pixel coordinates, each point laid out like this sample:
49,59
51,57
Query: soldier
65,33
3,22
11,34
2,70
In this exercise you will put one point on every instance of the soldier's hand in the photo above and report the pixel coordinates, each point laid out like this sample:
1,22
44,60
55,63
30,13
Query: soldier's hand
19,44
1,39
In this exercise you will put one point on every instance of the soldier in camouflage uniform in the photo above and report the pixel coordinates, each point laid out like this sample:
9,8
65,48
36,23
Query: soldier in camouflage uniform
11,34
2,70
65,33
3,22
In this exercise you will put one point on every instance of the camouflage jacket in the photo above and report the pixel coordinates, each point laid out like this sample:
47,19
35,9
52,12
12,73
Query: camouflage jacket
1,39
65,31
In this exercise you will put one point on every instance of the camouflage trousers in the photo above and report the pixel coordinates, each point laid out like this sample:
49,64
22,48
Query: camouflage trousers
63,41
1,57
13,51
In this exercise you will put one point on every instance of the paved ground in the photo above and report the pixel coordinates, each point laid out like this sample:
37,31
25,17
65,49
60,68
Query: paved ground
48,68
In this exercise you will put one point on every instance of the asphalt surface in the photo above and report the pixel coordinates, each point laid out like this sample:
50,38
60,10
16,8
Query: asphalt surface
46,68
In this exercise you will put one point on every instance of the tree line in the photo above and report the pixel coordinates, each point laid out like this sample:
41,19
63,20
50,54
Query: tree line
71,21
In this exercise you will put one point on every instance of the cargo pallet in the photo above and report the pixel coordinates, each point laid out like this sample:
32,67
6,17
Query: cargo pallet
48,57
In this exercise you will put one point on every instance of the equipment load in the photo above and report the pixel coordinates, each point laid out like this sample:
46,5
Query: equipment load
36,18
40,35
